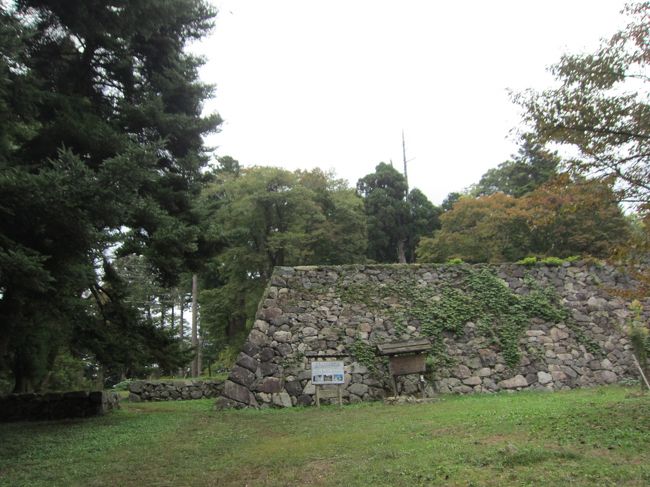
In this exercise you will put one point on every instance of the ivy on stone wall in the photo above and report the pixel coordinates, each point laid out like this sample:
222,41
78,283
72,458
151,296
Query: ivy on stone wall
474,295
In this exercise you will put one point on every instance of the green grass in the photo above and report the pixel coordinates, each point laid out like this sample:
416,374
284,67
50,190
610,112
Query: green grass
590,437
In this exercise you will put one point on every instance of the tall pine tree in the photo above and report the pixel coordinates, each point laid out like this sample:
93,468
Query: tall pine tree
101,145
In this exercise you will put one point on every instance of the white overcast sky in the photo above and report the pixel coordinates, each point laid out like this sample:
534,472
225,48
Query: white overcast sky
331,84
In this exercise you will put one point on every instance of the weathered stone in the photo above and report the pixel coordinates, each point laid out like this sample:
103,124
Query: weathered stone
282,399
544,377
557,334
357,368
535,333
272,314
270,385
236,392
485,372
267,354
304,400
607,376
136,386
258,338
358,389
514,383
242,376
247,362
487,356
293,388
261,326
596,304
309,389
309,331
558,375
463,371
268,368
284,349
472,381
282,336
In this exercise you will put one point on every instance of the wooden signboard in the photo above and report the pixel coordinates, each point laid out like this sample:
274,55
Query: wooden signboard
404,358
407,364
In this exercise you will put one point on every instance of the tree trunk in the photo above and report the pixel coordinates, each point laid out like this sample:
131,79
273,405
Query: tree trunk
401,255
181,323
199,358
171,313
195,315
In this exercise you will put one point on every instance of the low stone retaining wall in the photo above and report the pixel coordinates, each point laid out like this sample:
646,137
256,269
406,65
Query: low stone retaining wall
56,405
174,390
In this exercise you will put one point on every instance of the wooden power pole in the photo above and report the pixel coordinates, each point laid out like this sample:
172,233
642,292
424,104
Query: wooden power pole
406,177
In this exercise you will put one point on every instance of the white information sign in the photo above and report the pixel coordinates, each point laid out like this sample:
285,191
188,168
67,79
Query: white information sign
327,373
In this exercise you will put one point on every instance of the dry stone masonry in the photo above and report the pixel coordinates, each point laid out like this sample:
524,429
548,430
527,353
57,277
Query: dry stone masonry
493,328
173,390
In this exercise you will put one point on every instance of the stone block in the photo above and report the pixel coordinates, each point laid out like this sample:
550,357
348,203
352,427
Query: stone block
282,399
236,392
293,388
607,376
358,389
268,368
472,381
485,372
242,376
258,338
247,362
544,377
270,385
463,371
514,383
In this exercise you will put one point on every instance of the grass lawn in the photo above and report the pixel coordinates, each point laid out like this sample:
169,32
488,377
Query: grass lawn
593,437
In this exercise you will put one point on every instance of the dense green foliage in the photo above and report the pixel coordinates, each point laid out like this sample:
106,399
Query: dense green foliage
264,217
396,217
561,218
100,145
585,437
477,296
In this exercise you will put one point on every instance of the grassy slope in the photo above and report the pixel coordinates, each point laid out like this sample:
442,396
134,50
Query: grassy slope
585,437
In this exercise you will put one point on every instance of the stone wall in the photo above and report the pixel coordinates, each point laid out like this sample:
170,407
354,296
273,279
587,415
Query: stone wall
173,390
349,309
56,405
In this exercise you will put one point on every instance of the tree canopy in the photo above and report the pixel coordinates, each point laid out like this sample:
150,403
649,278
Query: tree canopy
530,168
601,109
396,218
100,147
561,218
265,217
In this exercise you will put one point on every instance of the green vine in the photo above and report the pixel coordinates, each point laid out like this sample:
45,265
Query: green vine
366,355
479,296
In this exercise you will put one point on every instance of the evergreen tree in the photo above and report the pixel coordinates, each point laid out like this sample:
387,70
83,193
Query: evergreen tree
102,144
396,219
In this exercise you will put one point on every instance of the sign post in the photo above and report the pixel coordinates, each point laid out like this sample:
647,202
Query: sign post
325,374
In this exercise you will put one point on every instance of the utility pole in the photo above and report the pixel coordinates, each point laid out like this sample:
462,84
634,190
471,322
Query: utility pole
406,177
